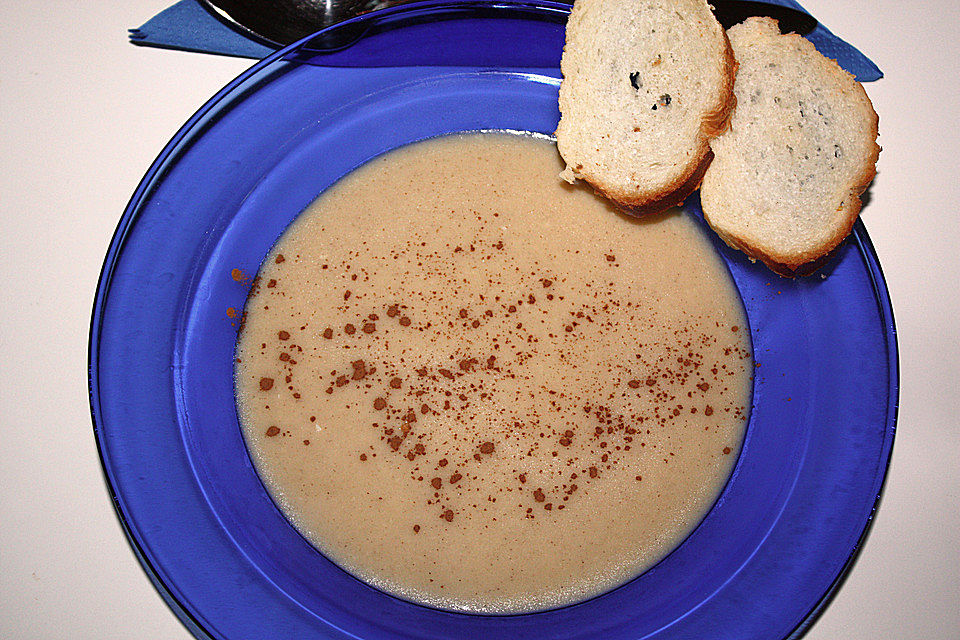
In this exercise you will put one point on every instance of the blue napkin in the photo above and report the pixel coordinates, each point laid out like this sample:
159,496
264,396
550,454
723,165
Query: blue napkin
846,55
189,26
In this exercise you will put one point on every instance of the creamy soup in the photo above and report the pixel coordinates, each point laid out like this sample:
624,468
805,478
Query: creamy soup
481,389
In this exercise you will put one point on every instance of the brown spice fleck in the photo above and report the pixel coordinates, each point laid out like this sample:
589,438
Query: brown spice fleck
349,329
593,472
328,333
447,515
546,282
359,369
726,451
266,384
436,482
404,321
443,462
634,384
393,311
379,404
455,478
463,313
651,381
416,528
271,283
703,386
284,356
539,496
486,447
446,373
708,411
395,442
272,431
283,335
369,327
363,457
279,258
611,258
396,383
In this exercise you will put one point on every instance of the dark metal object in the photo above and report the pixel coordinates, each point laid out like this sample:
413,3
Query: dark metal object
281,22
731,12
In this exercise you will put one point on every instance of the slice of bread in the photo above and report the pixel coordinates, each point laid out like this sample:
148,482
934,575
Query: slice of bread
646,84
785,182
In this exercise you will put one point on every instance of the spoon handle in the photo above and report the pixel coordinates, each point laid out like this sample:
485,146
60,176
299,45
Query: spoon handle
282,22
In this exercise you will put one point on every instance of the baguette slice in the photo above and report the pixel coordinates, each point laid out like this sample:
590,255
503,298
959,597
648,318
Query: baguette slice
646,84
785,182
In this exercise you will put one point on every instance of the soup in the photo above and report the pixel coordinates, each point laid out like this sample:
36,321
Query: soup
481,389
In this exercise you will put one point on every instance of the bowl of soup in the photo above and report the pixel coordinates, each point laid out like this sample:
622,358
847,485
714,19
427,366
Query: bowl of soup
362,365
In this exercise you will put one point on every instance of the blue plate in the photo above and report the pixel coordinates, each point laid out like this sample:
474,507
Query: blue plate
760,565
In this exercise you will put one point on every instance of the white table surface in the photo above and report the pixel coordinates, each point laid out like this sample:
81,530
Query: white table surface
83,114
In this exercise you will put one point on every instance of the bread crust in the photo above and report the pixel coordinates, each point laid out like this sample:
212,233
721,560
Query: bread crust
714,122
718,121
673,198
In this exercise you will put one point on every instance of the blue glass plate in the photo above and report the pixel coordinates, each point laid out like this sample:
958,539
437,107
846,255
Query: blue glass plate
759,566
